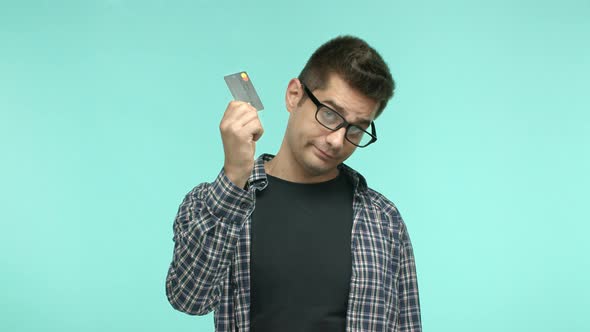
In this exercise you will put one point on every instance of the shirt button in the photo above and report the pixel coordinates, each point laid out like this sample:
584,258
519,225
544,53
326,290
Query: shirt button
243,206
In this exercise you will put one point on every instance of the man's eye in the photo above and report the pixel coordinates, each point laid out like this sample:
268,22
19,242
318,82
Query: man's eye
355,131
329,115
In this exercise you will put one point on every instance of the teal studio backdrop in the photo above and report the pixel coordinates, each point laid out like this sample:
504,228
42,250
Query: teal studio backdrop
110,112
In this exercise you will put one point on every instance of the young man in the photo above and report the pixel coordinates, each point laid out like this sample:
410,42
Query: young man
297,241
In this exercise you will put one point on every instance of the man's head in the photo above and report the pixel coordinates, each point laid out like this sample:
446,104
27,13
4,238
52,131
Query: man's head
357,63
348,76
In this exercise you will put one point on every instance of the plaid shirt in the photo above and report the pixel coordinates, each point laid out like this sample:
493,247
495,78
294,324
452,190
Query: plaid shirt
210,269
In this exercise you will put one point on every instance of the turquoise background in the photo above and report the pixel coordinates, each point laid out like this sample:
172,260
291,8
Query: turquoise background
109,114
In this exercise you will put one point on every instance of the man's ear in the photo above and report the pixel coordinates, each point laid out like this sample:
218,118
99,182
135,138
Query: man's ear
294,94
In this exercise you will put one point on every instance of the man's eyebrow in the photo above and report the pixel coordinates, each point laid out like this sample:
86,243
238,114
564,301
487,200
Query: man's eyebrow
334,105
340,109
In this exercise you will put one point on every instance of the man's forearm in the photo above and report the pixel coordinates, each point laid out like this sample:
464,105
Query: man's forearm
206,231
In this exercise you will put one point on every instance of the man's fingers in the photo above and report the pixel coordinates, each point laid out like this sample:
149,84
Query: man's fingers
237,110
240,107
247,118
254,129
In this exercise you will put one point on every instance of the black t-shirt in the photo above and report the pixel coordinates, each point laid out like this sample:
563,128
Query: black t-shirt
301,260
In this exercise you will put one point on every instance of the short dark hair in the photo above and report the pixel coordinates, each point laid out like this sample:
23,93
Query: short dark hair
356,63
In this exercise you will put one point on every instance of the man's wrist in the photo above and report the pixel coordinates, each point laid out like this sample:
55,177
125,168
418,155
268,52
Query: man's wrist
238,178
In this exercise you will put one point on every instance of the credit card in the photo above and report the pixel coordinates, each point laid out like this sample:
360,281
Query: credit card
241,88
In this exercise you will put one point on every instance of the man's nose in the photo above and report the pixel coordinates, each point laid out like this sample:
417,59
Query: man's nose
336,138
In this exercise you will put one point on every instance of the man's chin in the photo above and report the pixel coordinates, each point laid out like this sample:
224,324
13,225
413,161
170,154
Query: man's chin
318,166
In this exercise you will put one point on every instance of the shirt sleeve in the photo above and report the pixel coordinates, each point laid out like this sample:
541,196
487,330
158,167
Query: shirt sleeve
206,232
409,302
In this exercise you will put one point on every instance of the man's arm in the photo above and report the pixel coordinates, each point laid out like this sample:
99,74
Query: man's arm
206,232
409,302
209,220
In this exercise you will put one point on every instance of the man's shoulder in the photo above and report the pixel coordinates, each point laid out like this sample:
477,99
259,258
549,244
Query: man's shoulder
381,202
374,197
387,210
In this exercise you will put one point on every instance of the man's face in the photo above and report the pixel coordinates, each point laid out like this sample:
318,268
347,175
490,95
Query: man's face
316,150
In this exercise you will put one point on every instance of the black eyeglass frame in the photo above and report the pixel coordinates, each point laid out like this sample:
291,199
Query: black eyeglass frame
344,123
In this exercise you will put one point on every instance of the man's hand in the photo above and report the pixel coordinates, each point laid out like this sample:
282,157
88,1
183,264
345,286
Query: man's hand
240,129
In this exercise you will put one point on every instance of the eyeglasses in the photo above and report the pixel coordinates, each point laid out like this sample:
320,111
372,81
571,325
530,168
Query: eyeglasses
333,120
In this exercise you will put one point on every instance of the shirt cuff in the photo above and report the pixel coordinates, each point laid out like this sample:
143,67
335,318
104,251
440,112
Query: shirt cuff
226,200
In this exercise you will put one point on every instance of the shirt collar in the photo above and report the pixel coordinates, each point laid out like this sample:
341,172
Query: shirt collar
360,184
259,181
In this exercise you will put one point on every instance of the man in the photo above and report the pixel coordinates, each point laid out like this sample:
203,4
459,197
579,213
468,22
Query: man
298,242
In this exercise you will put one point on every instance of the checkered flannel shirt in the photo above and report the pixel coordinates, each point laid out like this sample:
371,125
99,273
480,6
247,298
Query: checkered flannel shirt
210,270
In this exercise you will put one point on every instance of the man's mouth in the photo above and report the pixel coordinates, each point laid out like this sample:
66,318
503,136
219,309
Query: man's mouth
323,155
